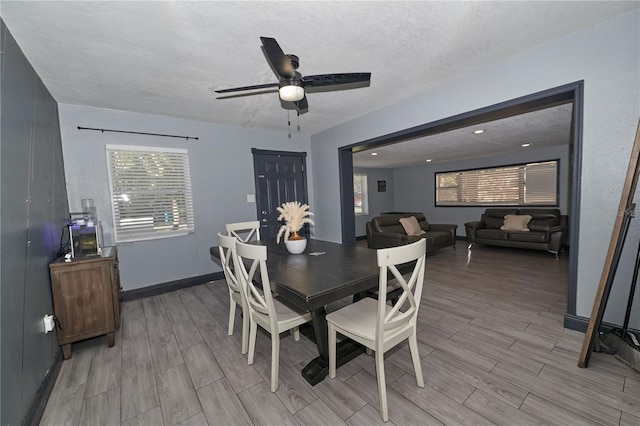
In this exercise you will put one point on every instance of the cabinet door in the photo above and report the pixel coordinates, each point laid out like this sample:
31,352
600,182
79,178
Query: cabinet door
83,300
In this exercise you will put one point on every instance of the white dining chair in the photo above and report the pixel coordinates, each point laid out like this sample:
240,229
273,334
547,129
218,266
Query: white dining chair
227,247
244,231
379,326
265,310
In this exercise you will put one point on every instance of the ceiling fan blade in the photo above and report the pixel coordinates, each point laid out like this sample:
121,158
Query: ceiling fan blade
302,106
332,82
240,95
277,59
257,86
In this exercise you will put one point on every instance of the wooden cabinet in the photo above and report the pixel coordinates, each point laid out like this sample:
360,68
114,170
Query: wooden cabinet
86,298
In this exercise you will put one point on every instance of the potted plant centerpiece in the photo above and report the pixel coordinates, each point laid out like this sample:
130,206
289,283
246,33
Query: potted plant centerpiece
294,215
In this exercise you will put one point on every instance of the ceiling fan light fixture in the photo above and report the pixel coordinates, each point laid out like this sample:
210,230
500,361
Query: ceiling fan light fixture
291,93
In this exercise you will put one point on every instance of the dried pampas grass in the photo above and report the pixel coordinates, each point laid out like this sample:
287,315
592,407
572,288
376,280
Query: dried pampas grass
295,215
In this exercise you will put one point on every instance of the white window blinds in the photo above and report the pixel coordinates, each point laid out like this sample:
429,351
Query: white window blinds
517,185
150,192
360,194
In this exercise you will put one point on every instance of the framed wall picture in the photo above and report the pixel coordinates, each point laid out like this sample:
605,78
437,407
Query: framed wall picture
382,186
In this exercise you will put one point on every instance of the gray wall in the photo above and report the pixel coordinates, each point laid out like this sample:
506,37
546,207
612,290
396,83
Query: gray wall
418,184
221,176
34,209
379,202
606,57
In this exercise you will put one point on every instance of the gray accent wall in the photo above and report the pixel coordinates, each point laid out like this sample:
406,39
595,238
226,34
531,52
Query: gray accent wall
379,202
221,176
418,184
34,209
606,57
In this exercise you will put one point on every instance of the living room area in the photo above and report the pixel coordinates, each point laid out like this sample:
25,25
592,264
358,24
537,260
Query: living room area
494,160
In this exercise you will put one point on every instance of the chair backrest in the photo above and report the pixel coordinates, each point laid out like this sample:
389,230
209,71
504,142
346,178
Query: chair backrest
252,266
227,247
405,310
244,231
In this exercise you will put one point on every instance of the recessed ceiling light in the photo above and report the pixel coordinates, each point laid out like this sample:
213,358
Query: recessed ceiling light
374,153
525,145
429,160
479,131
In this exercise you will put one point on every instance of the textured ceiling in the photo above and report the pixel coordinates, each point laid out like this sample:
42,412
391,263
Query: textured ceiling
539,129
166,57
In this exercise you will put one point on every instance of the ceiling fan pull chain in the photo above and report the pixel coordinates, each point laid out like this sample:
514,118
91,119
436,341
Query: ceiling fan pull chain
289,122
298,120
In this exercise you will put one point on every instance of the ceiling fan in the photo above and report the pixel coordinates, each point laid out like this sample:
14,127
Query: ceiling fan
292,86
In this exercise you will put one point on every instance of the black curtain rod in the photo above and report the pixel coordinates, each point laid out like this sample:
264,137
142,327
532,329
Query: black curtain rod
137,133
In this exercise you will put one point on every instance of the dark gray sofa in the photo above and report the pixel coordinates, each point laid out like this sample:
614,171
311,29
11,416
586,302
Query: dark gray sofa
547,230
386,231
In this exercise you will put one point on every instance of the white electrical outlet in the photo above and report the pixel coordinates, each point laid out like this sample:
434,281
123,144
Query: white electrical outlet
49,325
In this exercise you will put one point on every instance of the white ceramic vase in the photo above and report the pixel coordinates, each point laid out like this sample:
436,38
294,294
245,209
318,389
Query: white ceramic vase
296,246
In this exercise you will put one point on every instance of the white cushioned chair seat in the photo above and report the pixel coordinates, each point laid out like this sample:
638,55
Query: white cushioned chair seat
285,314
360,319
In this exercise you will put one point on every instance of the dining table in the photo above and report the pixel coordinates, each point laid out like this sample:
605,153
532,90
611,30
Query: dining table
324,273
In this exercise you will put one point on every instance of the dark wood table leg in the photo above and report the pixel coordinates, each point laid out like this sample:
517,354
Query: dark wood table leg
346,350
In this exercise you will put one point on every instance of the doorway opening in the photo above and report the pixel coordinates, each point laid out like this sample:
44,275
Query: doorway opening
569,93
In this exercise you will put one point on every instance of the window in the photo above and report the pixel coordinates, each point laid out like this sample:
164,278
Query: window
360,198
150,192
517,185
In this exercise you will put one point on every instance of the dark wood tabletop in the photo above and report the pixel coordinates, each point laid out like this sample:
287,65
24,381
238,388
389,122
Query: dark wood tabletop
310,281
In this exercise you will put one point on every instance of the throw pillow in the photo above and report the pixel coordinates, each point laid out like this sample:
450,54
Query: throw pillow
411,225
514,222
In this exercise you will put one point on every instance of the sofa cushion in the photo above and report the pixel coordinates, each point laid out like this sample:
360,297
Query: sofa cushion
413,238
494,218
492,234
387,223
516,222
424,224
411,225
542,219
528,237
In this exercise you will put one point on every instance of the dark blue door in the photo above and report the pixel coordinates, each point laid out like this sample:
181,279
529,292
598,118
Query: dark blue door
280,177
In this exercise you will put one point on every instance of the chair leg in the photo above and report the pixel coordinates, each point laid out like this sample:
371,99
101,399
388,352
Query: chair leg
368,351
275,360
253,328
332,351
382,386
245,331
415,356
296,333
232,314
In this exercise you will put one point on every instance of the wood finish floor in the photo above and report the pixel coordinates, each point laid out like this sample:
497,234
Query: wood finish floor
491,339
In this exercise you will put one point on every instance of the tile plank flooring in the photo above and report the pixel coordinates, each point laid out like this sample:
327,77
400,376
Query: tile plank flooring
491,339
